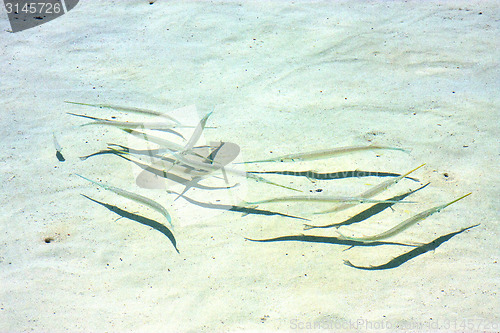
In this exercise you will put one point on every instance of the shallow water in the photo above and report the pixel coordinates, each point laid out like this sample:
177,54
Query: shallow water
280,78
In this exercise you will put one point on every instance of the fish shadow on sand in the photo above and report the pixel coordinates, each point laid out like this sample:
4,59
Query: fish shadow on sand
399,260
333,175
324,239
60,156
366,214
138,218
233,208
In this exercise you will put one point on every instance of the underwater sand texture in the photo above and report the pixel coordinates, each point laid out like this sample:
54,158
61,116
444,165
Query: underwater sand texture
280,78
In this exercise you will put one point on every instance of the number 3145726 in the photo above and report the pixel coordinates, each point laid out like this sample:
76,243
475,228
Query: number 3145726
33,8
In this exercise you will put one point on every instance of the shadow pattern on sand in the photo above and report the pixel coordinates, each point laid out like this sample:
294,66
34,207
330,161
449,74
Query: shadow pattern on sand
399,260
366,214
138,218
188,164
324,239
239,209
333,175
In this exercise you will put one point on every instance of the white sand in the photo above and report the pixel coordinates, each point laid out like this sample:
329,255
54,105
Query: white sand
282,77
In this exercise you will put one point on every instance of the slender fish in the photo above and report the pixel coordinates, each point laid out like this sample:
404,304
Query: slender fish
311,174
373,210
135,197
234,208
399,260
151,138
325,153
129,109
324,198
197,133
371,192
165,127
405,224
58,148
138,218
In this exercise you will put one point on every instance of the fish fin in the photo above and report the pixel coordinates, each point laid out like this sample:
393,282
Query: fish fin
312,180
342,236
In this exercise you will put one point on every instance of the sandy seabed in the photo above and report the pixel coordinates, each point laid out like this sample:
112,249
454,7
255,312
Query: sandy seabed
280,77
